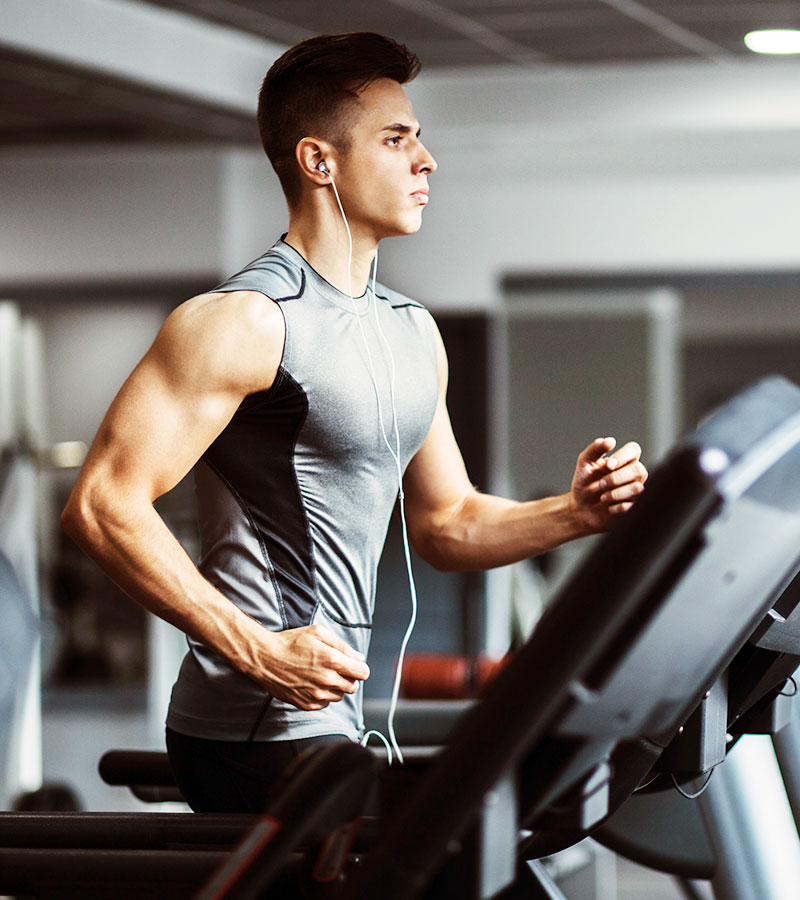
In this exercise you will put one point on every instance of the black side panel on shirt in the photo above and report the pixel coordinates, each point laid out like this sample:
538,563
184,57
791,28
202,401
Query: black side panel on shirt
254,457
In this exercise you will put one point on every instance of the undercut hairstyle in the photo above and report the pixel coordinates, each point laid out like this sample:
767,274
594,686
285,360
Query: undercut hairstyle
313,90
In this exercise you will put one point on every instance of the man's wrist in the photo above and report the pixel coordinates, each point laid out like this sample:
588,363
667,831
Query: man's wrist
250,647
577,521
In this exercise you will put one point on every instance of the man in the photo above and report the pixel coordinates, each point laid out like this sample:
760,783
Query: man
298,395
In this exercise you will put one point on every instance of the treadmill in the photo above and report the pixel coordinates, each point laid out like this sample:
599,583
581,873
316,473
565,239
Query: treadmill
628,651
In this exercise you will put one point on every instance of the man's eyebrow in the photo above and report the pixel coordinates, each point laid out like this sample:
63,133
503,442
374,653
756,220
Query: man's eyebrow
401,128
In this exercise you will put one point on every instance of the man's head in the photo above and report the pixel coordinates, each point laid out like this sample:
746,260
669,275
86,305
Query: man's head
314,88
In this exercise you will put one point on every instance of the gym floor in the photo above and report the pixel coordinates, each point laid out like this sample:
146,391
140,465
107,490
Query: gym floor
638,883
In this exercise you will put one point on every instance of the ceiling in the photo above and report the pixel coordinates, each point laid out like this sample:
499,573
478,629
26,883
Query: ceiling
496,32
44,101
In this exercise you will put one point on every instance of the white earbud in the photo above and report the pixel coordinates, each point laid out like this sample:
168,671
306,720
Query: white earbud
323,168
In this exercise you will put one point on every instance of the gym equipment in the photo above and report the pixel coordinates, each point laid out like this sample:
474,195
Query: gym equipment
20,632
626,652
591,703
66,856
336,782
658,828
20,753
22,432
146,772
444,676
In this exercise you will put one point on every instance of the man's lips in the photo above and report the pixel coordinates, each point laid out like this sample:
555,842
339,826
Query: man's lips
420,197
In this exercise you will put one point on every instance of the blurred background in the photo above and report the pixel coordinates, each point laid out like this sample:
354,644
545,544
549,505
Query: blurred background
612,247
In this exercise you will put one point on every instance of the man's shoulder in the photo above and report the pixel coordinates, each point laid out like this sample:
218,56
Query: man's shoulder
234,339
397,300
235,313
275,274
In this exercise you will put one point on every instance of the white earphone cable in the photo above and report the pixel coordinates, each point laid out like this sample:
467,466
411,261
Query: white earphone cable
395,453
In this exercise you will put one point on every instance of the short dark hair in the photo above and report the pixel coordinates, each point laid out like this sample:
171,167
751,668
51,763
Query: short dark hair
313,89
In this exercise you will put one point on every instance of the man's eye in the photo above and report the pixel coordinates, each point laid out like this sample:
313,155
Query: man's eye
394,141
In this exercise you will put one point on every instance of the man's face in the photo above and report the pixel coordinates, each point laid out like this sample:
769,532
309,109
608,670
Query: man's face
383,176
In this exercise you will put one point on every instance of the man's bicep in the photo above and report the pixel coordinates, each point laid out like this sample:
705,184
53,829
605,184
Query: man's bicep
207,357
436,481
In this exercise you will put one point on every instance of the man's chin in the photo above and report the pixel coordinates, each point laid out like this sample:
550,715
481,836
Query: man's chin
407,226
411,226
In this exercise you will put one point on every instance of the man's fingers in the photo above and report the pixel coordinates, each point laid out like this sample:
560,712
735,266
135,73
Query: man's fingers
343,686
329,688
597,450
634,472
333,681
352,669
349,663
313,705
350,666
318,668
329,638
323,695
625,492
630,452
607,481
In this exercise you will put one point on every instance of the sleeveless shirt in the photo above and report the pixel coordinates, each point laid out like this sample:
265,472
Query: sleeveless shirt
295,495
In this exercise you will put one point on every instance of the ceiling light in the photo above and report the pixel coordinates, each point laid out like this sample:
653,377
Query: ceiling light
774,40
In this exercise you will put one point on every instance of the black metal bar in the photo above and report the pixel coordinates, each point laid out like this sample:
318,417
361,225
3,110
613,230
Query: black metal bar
139,830
25,870
329,787
136,767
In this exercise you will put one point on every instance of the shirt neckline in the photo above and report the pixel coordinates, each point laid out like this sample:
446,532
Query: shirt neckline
323,286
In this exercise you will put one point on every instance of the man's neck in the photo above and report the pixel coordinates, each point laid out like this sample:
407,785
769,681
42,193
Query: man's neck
324,246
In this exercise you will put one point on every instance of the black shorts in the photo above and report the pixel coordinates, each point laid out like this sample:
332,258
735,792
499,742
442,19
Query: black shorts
232,776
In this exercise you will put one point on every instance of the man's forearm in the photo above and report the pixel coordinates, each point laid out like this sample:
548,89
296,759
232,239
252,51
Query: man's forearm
308,666
485,531
134,547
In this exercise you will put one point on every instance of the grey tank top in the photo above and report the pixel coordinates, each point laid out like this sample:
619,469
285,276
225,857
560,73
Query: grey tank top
295,495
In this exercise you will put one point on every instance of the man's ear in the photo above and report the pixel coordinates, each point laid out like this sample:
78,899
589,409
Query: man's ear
310,152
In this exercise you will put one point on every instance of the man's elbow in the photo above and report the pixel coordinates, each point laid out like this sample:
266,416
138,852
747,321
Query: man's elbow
432,546
432,555
443,563
442,537
75,517
81,517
